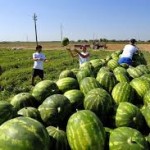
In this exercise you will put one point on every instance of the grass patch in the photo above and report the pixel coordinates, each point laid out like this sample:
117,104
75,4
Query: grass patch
17,68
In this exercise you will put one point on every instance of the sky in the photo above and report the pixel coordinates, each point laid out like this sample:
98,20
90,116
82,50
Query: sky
75,19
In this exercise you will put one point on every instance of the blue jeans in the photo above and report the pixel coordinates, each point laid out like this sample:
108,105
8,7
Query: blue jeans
125,60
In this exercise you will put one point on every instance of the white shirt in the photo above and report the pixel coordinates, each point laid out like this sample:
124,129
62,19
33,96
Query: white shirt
81,59
128,51
38,64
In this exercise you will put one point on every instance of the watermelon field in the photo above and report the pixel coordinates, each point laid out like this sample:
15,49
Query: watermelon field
100,106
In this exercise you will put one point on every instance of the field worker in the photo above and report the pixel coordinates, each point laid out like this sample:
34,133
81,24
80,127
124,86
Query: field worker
38,58
83,55
128,51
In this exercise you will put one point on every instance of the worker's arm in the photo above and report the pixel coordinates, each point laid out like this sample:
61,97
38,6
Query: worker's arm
72,54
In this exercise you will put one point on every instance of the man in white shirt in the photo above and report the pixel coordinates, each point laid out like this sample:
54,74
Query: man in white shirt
38,58
128,51
83,55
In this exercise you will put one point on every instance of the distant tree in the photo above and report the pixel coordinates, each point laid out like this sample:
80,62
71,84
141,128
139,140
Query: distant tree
103,40
79,41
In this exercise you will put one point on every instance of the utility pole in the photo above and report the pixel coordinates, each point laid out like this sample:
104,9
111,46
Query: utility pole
61,31
35,19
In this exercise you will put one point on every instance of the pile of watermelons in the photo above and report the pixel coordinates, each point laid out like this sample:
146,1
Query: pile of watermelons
101,105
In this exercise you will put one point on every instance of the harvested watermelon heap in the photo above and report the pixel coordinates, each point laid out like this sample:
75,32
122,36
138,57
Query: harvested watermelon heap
101,105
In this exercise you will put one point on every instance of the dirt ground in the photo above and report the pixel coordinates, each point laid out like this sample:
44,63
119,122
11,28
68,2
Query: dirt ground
57,45
145,47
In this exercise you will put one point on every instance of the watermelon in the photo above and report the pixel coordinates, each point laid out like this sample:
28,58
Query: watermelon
107,80
112,64
22,100
146,76
58,138
43,89
23,133
30,112
123,92
146,111
7,111
75,70
97,64
66,84
127,138
85,131
141,86
88,84
99,101
146,98
129,115
143,68
82,73
65,41
55,109
134,72
103,70
121,77
66,73
115,56
120,69
76,98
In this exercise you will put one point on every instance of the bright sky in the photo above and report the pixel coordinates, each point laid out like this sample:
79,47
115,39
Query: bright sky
77,19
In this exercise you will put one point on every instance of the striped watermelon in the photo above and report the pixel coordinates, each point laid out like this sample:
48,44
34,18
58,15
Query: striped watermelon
23,133
23,99
123,92
107,80
43,89
75,70
129,115
146,76
126,138
76,98
146,111
115,56
103,70
66,84
7,111
86,72
30,112
134,72
121,77
97,64
88,84
108,57
112,64
99,101
143,68
67,73
55,109
87,64
146,98
120,69
85,131
58,138
141,86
